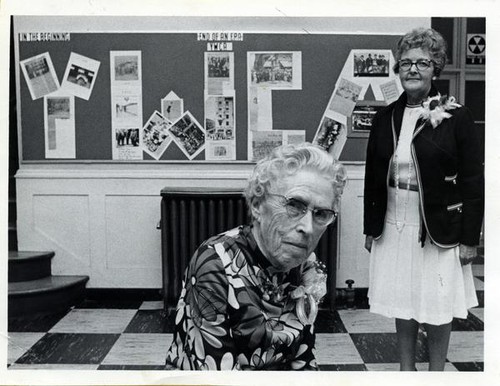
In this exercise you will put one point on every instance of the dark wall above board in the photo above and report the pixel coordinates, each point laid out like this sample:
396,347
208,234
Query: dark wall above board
175,61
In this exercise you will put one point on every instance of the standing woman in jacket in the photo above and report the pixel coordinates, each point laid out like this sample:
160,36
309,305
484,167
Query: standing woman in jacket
423,203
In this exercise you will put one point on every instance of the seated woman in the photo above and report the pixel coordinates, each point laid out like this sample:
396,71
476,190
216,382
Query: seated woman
250,295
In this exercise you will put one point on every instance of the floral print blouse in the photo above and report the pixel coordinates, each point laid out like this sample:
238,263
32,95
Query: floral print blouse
235,311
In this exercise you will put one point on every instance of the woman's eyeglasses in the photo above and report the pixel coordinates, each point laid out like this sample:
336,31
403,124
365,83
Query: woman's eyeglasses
296,209
421,64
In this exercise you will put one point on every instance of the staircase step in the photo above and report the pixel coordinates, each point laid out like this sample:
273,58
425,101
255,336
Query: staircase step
46,284
29,265
46,295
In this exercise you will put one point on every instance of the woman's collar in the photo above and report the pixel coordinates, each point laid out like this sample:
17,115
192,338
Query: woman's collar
400,105
256,254
403,99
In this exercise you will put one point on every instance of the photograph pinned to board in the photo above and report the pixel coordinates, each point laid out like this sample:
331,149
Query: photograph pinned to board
40,75
390,91
345,97
155,135
263,143
80,76
331,136
126,110
220,125
360,122
260,108
172,107
126,66
219,117
219,72
275,70
371,63
220,151
189,135
293,137
59,126
127,144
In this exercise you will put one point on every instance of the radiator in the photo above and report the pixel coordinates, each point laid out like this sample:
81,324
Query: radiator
188,217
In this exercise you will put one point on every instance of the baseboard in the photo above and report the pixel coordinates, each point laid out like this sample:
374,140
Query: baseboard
345,300
144,294
342,300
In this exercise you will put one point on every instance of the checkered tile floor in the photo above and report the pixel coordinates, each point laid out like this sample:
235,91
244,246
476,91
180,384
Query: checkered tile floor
135,335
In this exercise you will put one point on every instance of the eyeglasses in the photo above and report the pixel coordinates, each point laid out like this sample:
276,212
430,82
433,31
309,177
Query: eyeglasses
296,209
421,64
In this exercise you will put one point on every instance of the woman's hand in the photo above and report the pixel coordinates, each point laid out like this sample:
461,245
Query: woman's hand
368,243
467,254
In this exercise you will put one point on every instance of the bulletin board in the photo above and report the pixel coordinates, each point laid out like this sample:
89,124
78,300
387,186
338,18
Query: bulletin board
174,61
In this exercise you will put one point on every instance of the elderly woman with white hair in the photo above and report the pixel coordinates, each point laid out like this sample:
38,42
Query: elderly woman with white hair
250,295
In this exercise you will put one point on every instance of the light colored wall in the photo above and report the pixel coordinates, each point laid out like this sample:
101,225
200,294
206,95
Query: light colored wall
101,219
353,259
354,25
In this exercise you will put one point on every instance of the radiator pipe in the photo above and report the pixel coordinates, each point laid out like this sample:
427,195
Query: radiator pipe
346,296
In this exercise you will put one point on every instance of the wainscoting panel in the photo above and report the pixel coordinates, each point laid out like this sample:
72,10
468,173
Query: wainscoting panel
100,219
125,215
62,223
354,260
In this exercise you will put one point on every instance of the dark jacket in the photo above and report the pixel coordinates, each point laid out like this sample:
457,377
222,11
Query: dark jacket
450,174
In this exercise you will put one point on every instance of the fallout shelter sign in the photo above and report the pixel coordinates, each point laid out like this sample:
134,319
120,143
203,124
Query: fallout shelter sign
476,45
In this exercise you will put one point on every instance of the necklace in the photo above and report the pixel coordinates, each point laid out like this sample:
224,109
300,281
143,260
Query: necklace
401,224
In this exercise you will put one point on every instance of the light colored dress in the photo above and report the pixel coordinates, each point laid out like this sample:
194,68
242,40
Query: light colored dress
407,281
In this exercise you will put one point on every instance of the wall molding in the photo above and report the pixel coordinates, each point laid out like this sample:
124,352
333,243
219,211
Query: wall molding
184,171
164,171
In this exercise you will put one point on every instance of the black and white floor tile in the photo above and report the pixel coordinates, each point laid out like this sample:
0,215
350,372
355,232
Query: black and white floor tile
135,335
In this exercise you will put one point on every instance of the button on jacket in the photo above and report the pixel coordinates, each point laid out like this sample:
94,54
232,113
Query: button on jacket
449,169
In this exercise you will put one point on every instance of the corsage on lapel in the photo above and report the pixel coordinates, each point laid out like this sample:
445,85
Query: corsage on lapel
435,109
308,295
